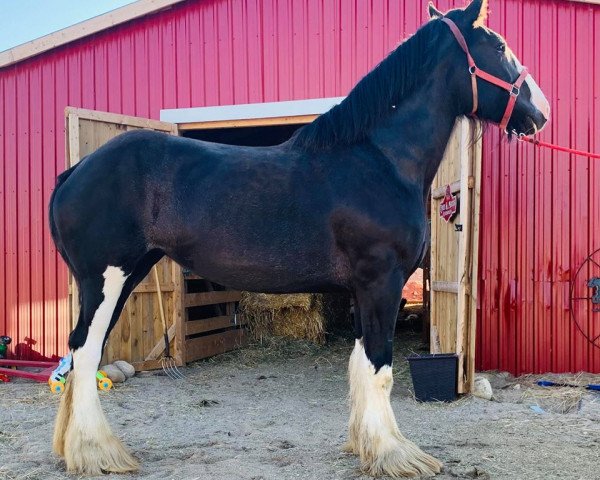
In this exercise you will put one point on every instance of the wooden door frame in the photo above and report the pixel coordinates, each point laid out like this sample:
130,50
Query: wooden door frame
468,186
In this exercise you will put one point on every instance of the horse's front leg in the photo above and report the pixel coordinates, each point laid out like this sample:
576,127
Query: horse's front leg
373,432
81,433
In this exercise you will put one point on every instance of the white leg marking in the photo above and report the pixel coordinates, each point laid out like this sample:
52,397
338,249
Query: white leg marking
89,445
87,412
373,432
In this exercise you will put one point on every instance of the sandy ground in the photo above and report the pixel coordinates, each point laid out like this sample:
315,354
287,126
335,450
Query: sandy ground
279,412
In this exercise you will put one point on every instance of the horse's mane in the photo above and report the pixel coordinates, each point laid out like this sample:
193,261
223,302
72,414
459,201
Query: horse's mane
374,97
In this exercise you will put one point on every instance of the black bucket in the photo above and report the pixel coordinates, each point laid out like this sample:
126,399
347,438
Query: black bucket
434,376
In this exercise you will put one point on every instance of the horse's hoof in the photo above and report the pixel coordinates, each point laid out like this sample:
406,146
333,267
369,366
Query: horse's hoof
405,459
85,455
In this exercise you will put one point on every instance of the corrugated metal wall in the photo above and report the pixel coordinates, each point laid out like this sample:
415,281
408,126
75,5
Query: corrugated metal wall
541,210
199,53
219,52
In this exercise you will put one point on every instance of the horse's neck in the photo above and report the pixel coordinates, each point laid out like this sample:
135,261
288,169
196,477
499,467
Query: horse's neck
415,137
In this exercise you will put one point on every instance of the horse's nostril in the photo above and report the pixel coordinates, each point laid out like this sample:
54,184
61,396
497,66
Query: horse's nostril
540,122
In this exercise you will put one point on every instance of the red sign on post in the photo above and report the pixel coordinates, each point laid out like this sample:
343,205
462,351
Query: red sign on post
448,206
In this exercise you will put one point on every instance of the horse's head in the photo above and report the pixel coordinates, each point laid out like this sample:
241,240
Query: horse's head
491,55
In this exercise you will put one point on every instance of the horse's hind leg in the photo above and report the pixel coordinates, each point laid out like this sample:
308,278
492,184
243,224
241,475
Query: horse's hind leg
373,432
82,434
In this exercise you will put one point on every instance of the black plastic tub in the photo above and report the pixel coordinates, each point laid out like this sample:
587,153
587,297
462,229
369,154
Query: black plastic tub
434,376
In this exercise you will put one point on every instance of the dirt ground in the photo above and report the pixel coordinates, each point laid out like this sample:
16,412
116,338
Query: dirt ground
278,411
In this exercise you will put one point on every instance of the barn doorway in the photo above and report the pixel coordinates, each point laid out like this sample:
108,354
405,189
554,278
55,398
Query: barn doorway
246,136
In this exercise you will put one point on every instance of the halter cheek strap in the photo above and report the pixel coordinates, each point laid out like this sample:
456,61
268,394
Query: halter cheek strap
514,89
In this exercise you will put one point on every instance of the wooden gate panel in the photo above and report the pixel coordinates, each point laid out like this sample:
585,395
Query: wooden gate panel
205,332
454,250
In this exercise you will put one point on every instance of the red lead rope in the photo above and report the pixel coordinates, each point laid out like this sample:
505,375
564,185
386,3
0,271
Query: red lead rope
539,143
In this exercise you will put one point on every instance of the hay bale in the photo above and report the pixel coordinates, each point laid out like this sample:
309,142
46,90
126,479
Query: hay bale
298,316
270,302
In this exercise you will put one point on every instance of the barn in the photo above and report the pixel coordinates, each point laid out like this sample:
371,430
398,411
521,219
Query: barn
252,71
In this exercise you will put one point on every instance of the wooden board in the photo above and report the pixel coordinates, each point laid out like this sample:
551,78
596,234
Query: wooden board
454,250
210,345
211,298
139,328
205,334
192,327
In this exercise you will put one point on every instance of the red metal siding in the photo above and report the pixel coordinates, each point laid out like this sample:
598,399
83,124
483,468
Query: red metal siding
218,52
540,208
199,53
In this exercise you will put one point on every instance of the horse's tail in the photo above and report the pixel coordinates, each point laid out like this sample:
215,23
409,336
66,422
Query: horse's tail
60,180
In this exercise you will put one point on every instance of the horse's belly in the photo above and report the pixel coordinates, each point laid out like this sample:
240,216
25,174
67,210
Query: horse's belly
269,277
288,263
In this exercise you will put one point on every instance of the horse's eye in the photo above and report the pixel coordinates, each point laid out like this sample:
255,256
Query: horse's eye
501,47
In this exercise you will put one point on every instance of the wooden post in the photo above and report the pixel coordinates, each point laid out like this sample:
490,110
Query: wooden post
474,256
463,271
179,313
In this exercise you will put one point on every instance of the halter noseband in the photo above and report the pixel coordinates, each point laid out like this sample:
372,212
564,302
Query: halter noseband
512,88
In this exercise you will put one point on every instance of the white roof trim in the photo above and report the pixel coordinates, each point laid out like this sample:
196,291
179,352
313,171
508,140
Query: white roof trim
292,108
83,29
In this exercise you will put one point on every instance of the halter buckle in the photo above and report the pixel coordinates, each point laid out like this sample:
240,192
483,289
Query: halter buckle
472,69
515,91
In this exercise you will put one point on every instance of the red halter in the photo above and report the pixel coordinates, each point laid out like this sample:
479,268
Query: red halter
512,88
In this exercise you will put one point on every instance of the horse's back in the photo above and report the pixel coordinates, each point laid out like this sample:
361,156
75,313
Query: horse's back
248,217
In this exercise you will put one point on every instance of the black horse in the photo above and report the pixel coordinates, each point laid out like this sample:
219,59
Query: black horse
341,206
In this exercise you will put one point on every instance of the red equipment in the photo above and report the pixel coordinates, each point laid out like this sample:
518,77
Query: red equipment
46,369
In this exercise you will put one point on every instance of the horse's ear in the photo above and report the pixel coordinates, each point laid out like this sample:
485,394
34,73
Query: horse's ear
434,12
476,13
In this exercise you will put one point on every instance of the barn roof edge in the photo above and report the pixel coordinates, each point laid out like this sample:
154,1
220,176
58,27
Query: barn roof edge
83,29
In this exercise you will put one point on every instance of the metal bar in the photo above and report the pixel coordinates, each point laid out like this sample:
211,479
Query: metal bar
27,363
